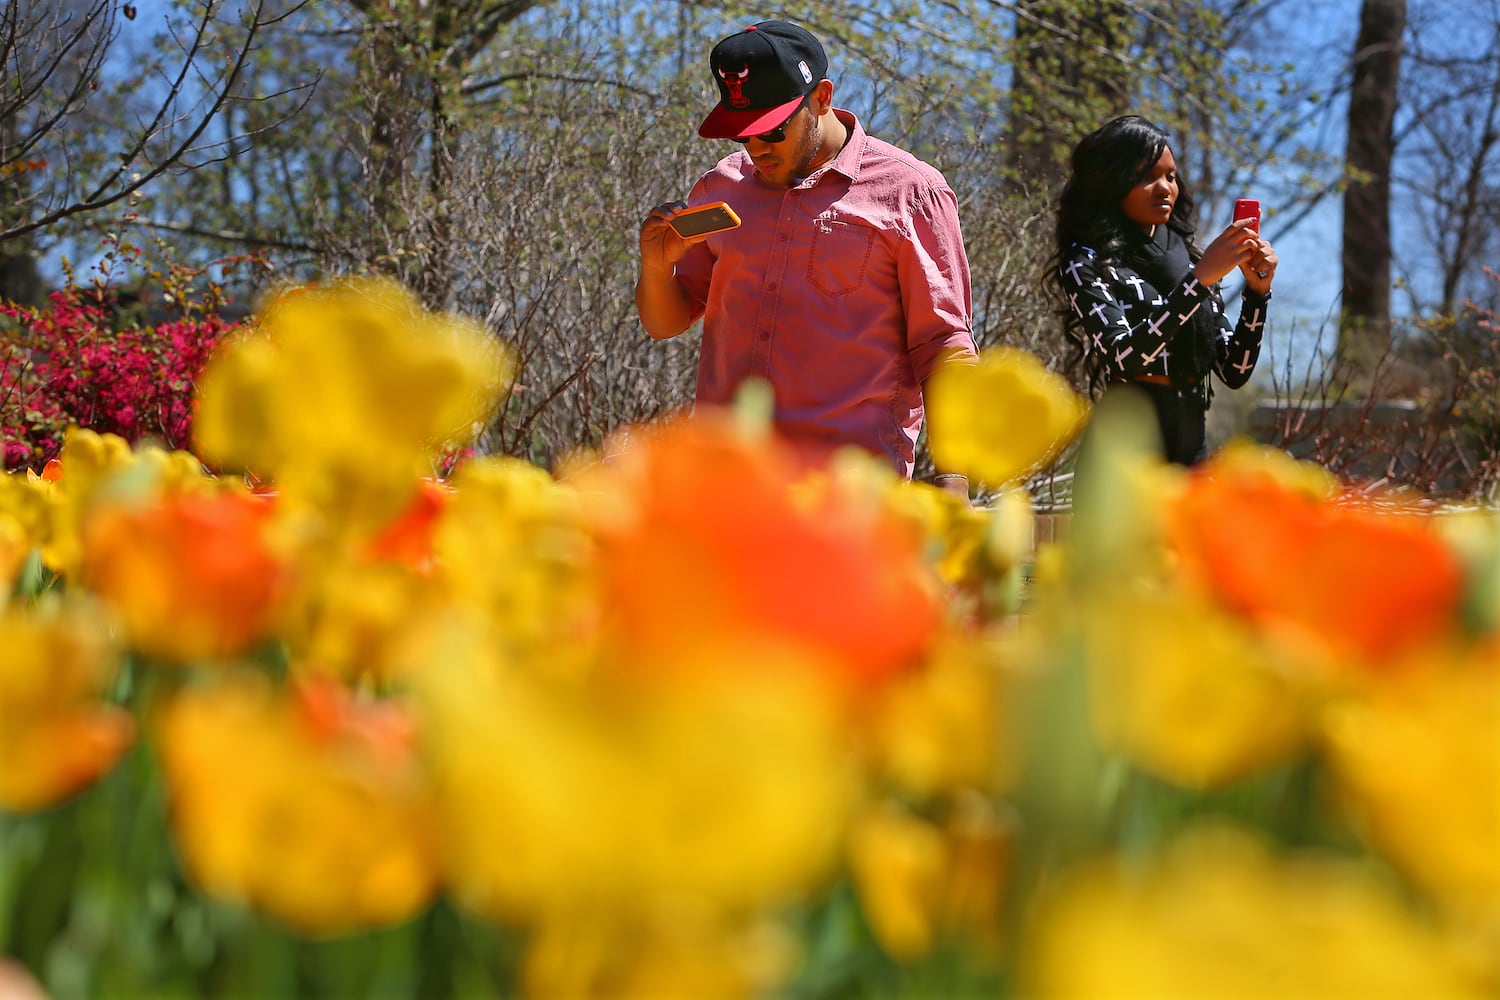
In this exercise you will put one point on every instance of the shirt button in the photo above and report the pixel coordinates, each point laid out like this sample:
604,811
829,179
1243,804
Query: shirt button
765,336
770,286
781,237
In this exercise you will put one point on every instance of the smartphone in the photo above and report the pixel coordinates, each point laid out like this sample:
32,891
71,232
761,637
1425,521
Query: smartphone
1248,208
715,217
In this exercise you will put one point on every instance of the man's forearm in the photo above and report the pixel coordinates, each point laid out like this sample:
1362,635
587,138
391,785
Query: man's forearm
664,308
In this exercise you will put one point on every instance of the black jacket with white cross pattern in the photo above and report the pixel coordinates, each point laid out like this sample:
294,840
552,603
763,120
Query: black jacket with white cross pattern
1131,326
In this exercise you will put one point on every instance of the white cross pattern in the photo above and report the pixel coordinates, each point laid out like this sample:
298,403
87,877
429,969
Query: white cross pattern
1099,341
1097,310
1072,269
1134,281
1120,358
1192,287
1103,287
1158,301
1156,324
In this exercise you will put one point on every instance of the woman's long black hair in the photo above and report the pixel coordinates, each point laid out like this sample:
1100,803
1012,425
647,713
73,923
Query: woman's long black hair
1107,164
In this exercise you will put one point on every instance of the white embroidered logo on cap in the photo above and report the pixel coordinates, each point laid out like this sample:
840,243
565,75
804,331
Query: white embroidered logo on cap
806,73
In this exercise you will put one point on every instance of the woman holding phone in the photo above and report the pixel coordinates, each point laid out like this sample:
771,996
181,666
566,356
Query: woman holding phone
1142,305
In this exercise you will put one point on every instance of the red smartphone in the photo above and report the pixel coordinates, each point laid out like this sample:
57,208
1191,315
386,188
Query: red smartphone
1248,208
701,220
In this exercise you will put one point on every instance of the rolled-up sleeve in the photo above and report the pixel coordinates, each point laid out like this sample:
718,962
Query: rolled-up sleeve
935,287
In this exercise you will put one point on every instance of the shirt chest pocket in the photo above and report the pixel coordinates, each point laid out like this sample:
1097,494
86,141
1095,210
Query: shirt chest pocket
840,256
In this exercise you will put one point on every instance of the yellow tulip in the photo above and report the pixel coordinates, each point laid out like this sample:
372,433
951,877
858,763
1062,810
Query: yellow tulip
920,880
676,950
1187,694
1001,418
310,806
1416,757
343,395
1217,915
729,788
57,734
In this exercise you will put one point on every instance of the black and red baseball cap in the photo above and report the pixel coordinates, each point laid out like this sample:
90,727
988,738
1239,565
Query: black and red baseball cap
763,73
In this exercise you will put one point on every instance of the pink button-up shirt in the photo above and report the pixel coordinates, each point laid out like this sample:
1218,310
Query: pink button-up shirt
844,292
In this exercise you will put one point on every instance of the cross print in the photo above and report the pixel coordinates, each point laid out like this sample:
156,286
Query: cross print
1134,281
1120,358
1254,325
1073,268
1158,301
1245,364
1184,317
1098,309
1100,284
1154,327
1151,358
1192,287
1073,301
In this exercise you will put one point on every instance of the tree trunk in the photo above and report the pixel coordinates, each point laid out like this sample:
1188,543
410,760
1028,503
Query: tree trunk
1365,326
1069,69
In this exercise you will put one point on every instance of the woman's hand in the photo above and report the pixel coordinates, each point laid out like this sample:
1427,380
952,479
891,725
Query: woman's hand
1260,269
1234,247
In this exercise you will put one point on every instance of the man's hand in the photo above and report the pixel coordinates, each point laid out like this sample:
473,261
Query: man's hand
661,247
663,306
953,482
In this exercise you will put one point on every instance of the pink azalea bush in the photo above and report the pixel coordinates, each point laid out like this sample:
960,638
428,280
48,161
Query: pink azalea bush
72,362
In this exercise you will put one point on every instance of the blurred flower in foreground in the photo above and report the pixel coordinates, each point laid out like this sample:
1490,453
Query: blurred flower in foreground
727,789
309,805
90,467
1187,693
942,728
189,576
678,950
25,523
57,735
704,547
344,394
921,880
1417,760
1218,915
1001,418
513,548
1343,575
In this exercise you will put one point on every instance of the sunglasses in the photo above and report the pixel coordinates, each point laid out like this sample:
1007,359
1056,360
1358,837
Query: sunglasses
778,134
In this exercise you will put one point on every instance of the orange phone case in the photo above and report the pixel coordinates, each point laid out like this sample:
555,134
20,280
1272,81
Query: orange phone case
715,217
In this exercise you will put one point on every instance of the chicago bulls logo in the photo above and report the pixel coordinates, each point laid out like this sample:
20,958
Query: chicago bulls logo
734,83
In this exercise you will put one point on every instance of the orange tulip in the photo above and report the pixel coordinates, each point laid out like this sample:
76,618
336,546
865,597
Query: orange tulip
706,543
408,539
1353,578
190,577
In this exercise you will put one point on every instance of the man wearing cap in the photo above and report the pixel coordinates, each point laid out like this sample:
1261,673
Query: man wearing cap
845,287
